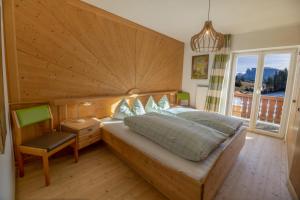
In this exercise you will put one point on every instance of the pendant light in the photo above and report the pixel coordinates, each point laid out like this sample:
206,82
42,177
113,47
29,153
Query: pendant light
207,40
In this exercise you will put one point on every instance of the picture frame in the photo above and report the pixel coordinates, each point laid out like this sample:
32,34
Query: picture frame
200,67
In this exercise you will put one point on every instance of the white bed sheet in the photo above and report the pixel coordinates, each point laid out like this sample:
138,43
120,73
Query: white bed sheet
196,170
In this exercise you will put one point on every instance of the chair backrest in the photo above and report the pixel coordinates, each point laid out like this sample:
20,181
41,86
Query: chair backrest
30,116
183,98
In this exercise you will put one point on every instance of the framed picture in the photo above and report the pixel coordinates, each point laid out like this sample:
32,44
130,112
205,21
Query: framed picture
200,67
2,98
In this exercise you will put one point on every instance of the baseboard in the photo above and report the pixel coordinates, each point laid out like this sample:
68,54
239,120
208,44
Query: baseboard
291,189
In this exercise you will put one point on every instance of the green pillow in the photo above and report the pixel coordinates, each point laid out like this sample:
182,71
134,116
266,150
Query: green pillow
151,106
122,110
164,103
137,107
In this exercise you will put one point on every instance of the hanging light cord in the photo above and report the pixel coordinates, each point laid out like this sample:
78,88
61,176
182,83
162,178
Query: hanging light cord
208,10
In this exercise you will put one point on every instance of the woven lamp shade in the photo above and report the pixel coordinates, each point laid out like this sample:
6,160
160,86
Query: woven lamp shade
207,40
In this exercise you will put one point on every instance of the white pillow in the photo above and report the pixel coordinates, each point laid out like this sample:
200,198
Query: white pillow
164,103
137,107
122,110
151,106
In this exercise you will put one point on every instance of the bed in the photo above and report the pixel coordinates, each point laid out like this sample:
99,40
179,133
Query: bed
186,182
173,176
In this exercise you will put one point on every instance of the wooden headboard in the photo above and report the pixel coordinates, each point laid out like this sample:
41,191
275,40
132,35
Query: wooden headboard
101,106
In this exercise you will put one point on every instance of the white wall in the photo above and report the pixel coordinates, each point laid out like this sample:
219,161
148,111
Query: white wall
188,84
277,37
7,175
7,170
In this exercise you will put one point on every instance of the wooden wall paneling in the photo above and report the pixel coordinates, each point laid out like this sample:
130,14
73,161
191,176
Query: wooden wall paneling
71,49
112,43
112,17
159,62
10,50
3,128
69,61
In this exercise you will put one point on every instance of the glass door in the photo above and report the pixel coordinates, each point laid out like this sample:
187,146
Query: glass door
261,87
271,94
244,82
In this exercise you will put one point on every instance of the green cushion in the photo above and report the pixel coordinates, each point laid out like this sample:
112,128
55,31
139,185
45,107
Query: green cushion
183,96
137,107
122,110
164,103
28,116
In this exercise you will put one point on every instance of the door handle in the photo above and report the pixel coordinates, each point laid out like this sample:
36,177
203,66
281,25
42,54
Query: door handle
298,109
294,101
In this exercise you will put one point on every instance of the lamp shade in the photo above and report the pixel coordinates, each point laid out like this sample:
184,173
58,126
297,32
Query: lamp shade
207,40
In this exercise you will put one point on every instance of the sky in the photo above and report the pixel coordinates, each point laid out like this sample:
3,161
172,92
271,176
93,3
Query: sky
278,61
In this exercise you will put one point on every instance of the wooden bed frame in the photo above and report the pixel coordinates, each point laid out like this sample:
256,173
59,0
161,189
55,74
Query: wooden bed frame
174,184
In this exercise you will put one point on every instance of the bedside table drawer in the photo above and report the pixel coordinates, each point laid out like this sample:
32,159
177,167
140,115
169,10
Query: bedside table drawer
89,139
89,130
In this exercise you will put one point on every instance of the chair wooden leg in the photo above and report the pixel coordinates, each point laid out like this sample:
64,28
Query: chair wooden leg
20,163
75,149
46,169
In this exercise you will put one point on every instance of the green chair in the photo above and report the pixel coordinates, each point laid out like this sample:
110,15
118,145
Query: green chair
183,98
43,144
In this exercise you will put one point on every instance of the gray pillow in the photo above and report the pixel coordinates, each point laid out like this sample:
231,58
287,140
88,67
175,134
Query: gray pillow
225,124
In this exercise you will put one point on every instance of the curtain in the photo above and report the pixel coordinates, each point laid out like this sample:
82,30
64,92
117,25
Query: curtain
216,79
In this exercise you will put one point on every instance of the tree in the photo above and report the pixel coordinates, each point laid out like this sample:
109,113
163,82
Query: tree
238,83
270,84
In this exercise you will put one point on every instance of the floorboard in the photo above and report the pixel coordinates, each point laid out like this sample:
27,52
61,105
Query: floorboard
258,174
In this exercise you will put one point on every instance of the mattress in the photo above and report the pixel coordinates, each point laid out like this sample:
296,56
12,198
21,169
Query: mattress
196,170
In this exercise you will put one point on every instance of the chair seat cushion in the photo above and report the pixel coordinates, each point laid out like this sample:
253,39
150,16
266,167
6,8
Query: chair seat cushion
50,141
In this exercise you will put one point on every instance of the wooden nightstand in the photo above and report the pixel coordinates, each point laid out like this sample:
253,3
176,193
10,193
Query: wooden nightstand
89,130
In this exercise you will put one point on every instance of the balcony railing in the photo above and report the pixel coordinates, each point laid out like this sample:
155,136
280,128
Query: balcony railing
270,108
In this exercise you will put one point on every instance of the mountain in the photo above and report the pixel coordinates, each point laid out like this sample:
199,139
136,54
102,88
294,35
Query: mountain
249,75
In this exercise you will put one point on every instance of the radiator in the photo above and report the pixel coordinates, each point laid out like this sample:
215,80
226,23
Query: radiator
201,93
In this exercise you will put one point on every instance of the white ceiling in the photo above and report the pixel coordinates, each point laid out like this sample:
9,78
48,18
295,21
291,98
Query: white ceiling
181,19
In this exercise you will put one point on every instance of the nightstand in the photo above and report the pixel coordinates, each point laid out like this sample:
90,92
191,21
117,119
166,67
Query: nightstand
87,130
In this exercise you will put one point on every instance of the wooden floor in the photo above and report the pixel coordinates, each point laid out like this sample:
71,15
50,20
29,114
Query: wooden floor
259,174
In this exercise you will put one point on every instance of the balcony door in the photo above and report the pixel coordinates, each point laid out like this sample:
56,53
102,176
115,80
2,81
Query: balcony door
261,89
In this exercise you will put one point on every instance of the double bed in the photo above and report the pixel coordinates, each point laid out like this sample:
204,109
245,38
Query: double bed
175,177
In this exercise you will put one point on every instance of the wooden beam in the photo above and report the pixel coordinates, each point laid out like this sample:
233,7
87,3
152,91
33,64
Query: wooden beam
11,50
